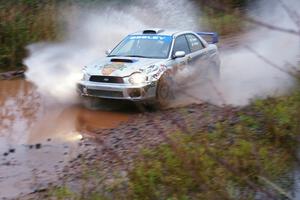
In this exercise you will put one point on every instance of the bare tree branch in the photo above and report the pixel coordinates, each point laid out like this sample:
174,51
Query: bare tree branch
216,6
269,26
270,62
294,16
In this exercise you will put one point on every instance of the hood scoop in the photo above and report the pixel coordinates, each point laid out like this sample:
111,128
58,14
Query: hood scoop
124,60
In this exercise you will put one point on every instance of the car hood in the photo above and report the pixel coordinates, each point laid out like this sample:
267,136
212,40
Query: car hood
120,66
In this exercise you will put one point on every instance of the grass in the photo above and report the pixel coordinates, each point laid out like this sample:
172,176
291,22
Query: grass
238,160
251,154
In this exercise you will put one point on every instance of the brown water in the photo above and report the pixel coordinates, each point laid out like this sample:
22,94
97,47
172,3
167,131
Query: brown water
27,120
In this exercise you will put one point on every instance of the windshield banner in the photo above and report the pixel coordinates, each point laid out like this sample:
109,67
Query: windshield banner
151,37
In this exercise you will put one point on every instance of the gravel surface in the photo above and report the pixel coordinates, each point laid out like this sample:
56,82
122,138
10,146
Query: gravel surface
112,151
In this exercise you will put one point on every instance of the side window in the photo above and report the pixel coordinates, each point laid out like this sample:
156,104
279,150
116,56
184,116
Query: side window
194,42
181,45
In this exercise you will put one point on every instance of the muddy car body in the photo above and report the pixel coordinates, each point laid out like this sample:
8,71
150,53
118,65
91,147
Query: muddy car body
141,66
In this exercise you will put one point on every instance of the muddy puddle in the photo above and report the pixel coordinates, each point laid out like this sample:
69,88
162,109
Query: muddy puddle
37,140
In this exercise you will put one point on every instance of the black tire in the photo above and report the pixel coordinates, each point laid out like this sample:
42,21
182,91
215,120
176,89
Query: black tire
164,91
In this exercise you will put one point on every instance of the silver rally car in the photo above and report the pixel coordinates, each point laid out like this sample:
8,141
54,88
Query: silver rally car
142,66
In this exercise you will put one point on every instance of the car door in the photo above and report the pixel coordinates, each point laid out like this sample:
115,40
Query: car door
199,57
180,44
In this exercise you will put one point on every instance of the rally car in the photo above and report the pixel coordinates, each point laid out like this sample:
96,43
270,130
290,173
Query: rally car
141,67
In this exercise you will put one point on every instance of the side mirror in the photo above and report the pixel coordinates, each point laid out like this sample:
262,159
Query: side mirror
107,52
179,54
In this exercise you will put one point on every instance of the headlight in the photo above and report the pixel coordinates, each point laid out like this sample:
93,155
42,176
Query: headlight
137,78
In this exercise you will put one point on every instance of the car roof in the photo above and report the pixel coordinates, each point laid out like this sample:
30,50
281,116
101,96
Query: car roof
158,31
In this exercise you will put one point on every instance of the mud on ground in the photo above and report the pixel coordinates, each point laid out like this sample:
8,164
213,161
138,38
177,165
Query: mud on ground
111,152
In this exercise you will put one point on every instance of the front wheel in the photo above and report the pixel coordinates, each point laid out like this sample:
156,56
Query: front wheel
165,91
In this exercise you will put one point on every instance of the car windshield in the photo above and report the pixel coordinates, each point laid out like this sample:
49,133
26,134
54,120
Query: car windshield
145,46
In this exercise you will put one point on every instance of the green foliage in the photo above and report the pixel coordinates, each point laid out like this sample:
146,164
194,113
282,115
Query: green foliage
22,23
61,193
222,22
281,119
232,162
224,16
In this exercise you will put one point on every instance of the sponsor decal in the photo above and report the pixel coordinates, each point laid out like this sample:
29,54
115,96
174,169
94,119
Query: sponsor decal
159,72
110,68
151,68
151,37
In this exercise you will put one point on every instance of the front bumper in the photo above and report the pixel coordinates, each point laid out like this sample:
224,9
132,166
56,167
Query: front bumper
117,91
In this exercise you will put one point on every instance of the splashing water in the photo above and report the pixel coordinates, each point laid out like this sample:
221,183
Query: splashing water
55,67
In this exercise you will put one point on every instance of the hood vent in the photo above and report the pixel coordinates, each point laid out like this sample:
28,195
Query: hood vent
121,60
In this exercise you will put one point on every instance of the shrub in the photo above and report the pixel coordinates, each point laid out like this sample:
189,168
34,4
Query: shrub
252,156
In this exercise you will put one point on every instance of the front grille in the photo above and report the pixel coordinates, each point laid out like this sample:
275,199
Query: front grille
104,93
107,79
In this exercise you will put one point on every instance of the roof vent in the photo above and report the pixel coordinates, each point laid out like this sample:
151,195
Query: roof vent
152,31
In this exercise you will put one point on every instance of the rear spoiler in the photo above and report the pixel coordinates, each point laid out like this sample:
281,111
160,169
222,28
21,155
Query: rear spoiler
214,37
